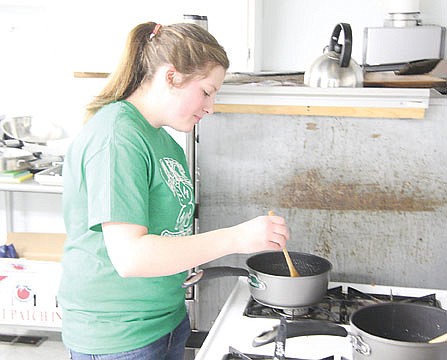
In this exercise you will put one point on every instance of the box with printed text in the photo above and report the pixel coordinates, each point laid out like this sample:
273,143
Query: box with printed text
29,284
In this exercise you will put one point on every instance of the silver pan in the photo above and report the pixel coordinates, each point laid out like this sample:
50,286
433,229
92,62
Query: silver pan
269,280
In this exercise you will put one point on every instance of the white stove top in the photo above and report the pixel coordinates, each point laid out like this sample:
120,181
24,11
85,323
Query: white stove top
232,328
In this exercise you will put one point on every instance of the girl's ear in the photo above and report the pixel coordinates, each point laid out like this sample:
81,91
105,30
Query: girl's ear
170,76
173,77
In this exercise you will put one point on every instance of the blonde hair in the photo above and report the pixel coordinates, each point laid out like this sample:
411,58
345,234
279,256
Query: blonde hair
193,51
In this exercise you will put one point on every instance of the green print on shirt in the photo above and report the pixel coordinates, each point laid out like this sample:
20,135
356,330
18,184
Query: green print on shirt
177,180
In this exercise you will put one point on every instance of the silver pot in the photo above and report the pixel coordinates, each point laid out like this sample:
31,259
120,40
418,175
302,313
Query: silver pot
30,130
335,68
399,331
391,331
269,280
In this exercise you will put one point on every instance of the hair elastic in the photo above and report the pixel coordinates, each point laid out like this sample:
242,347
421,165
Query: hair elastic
155,31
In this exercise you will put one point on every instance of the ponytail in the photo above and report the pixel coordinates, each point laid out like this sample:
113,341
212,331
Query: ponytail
193,51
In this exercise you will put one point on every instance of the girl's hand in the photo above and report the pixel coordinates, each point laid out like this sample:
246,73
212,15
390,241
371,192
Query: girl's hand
260,234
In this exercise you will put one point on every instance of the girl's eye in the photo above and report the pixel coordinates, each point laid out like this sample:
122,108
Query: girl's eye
206,93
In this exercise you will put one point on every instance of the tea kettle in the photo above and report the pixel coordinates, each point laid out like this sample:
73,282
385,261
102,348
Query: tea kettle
335,68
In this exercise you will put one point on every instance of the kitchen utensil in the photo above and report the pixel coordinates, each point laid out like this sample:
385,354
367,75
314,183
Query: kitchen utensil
391,331
15,159
292,269
28,129
335,68
417,67
270,282
438,339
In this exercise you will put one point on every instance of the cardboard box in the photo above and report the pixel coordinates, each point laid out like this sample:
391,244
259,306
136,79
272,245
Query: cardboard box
38,246
29,285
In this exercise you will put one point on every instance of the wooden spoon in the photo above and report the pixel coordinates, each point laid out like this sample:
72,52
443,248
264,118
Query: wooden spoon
292,269
438,339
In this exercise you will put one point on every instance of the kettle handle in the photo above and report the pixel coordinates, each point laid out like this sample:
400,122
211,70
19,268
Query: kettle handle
346,48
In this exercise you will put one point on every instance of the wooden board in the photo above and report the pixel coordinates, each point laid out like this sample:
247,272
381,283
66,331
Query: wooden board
363,112
389,79
90,75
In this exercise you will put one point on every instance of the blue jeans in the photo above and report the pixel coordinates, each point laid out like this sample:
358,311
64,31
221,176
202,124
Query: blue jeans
169,347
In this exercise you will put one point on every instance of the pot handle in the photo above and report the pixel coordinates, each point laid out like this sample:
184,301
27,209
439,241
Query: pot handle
280,340
359,345
212,273
301,328
346,48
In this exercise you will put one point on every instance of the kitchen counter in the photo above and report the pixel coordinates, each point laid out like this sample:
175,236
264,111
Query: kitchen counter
263,98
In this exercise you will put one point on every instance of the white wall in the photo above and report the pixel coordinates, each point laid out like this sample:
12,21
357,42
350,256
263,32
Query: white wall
44,41
296,31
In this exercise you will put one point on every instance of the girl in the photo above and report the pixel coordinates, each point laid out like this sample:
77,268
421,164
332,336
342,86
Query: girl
129,205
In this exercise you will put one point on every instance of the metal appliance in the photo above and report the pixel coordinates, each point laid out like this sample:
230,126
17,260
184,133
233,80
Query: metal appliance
386,45
403,38
242,319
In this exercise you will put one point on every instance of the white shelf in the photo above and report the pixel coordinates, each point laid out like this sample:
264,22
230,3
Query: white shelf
341,97
31,186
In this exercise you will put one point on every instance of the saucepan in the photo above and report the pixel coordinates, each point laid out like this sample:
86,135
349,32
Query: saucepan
270,282
391,331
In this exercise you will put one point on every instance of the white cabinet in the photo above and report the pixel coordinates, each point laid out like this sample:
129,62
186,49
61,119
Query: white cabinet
98,29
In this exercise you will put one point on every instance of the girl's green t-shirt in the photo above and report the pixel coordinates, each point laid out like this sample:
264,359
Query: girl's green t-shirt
120,169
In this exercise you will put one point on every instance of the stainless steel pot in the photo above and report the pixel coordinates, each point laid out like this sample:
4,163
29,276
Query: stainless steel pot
269,280
335,68
391,331
30,130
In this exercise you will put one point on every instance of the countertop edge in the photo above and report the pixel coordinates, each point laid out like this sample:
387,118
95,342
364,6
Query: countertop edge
339,97
408,103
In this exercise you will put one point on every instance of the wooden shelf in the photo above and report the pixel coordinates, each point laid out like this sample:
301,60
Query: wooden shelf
366,112
90,75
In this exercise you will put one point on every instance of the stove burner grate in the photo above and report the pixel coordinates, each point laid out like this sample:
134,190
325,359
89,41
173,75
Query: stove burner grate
232,356
293,313
337,306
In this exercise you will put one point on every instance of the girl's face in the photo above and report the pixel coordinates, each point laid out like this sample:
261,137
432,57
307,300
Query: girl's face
189,102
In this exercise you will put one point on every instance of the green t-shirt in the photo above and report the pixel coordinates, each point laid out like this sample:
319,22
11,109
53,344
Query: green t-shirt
120,169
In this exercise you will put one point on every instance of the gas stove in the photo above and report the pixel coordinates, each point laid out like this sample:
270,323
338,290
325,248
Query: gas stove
337,305
242,319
